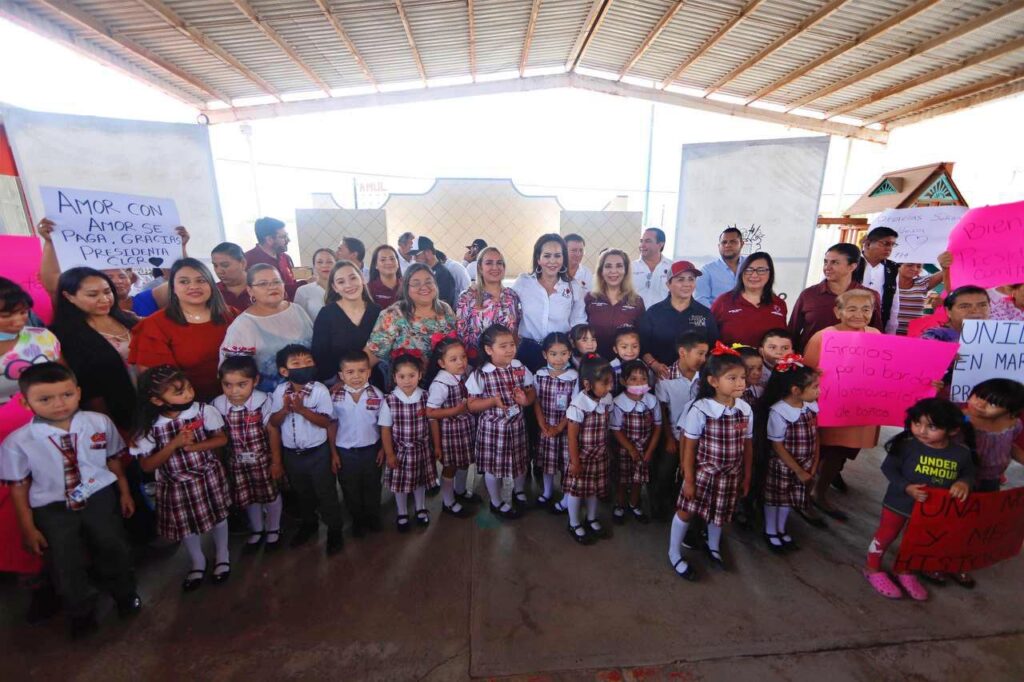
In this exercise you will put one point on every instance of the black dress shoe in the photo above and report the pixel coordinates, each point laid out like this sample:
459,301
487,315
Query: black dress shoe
462,512
251,547
223,576
130,606
335,541
272,541
304,535
469,497
193,580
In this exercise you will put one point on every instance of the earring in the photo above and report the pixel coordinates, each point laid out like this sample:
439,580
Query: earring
252,299
565,269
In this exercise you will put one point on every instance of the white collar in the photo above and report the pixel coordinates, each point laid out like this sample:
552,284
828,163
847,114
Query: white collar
715,409
353,391
255,402
447,378
489,367
568,374
790,413
408,399
42,428
627,404
588,404
190,413
665,261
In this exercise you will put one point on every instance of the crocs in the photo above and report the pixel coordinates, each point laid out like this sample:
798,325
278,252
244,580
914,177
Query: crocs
912,586
883,584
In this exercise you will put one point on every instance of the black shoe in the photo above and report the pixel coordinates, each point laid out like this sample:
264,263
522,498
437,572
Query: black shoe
789,544
251,547
422,517
193,580
272,541
512,513
471,498
130,606
304,534
689,574
223,576
599,532
618,515
557,509
82,626
715,556
520,500
335,541
584,539
44,604
402,527
839,484
639,516
774,548
462,513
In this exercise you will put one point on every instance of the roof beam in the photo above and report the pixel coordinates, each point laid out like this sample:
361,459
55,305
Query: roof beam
525,54
167,14
598,11
977,59
412,41
1011,88
777,44
335,23
472,38
870,34
651,37
711,42
918,107
938,41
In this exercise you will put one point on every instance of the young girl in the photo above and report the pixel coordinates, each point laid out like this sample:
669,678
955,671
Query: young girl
754,364
176,437
923,455
627,348
452,427
586,477
404,434
584,342
789,420
636,425
499,391
994,408
556,386
246,412
716,456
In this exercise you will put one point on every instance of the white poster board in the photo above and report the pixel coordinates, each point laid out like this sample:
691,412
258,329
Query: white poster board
769,189
989,349
923,231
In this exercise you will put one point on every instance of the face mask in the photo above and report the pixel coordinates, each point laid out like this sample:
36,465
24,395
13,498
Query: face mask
7,336
638,390
176,407
302,375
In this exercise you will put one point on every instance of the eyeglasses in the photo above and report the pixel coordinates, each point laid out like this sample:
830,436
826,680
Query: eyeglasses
268,283
756,271
425,284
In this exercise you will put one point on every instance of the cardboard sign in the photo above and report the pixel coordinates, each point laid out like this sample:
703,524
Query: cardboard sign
105,230
958,537
924,232
989,349
22,256
988,246
873,378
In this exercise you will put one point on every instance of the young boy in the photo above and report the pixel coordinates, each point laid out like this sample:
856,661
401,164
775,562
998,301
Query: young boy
357,443
69,491
775,345
302,412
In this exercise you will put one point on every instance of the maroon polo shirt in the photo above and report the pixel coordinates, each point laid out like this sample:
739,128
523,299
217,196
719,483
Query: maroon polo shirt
239,301
383,296
740,321
605,319
283,263
815,309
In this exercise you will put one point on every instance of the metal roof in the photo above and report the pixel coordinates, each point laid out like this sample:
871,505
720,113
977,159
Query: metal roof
808,62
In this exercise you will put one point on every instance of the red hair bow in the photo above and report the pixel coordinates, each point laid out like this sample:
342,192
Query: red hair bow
722,349
415,352
788,362
438,337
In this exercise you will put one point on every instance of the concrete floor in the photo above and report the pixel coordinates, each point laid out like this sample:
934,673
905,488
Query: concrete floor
480,599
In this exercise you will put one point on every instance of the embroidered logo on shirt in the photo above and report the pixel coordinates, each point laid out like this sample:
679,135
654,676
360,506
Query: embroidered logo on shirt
99,441
254,418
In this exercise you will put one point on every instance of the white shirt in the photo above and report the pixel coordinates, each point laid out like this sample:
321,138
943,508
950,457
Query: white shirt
459,274
357,421
874,279
623,405
402,263
584,277
212,421
582,405
297,432
695,420
257,401
470,269
651,284
475,382
677,393
384,417
440,387
543,314
310,297
28,455
782,415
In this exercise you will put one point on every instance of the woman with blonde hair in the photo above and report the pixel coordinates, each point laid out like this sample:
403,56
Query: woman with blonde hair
613,303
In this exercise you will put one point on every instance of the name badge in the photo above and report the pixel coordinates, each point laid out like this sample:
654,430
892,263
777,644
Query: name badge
512,412
246,457
562,401
84,490
98,441
372,403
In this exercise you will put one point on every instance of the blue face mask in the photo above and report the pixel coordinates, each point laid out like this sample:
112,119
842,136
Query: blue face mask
8,336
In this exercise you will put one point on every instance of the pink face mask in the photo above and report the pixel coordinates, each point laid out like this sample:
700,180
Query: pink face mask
638,390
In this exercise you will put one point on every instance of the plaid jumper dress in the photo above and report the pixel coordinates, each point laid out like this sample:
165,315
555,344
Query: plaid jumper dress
781,487
458,434
719,467
251,483
553,453
500,439
410,434
637,427
593,477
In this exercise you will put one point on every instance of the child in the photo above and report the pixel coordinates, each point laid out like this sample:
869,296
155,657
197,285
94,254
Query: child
627,347
556,386
584,342
678,390
405,432
355,440
498,392
775,345
252,467
716,456
302,411
452,427
636,425
69,490
588,416
924,454
754,364
176,437
789,420
994,408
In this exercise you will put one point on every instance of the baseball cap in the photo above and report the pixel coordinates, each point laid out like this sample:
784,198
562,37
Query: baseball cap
421,244
477,244
681,266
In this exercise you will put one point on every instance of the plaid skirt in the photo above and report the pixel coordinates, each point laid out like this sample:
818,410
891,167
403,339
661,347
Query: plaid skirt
781,486
593,477
252,483
415,469
716,496
458,438
553,453
501,446
630,471
191,505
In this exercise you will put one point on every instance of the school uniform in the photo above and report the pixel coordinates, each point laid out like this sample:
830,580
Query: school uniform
797,429
592,417
721,433
191,487
74,501
358,442
752,394
500,433
306,455
617,384
636,420
458,434
676,392
248,449
410,434
554,395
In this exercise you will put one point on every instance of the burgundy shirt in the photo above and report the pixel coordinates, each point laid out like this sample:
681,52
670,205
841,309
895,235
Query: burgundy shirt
605,319
283,263
815,309
383,296
239,301
740,321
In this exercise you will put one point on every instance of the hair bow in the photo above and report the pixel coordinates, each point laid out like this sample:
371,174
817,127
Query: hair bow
438,337
788,362
415,352
722,349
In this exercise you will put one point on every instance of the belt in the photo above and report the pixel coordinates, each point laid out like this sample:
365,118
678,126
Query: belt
306,451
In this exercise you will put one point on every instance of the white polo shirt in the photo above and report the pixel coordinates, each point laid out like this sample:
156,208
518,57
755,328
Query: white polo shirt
357,419
212,421
651,284
695,419
677,392
297,432
623,405
543,314
385,418
782,415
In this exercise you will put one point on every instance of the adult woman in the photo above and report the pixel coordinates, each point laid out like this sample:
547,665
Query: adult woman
679,312
268,325
188,333
410,323
96,334
487,302
613,303
1011,305
385,276
751,308
912,288
551,301
854,309
345,322
310,296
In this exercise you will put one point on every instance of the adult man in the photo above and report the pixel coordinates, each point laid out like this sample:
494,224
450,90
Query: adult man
469,258
229,265
422,251
459,273
405,258
352,249
651,270
578,272
720,275
272,248
881,275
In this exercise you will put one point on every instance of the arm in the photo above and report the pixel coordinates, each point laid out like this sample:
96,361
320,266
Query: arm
542,421
389,447
127,503
217,440
49,268
32,537
945,262
652,445
1018,454
782,453
688,465
796,323
155,461
315,418
574,448
477,404
702,293
671,442
435,436
892,470
438,413
625,443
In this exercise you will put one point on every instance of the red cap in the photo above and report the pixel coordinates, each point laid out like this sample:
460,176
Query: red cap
681,266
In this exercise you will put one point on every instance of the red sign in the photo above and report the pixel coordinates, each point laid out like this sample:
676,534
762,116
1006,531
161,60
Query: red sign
950,536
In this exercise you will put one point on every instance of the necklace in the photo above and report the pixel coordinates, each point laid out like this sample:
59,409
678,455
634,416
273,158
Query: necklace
195,317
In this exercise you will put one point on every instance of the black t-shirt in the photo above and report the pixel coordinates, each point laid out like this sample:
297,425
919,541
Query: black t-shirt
662,324
445,284
913,462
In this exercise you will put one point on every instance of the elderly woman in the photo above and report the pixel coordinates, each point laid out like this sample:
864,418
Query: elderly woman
613,303
385,276
409,324
345,322
267,326
487,302
751,308
311,295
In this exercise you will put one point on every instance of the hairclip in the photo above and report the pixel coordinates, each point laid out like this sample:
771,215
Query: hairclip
788,362
437,337
722,349
399,352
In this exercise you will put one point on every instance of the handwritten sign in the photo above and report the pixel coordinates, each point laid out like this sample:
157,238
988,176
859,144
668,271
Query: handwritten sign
924,232
104,230
989,349
958,537
988,246
22,256
873,378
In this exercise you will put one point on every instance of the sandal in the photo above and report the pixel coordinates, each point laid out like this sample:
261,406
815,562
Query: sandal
688,574
191,584
583,538
402,523
715,555
639,516
913,588
598,532
543,501
222,577
618,515
775,548
422,517
964,580
558,508
883,584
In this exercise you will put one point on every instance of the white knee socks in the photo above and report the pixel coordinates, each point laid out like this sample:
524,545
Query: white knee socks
419,496
592,513
274,510
549,485
675,543
493,484
460,481
402,503
255,514
519,488
448,491
194,545
573,504
771,519
220,544
783,516
714,537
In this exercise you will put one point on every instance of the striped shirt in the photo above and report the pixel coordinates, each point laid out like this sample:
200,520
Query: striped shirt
912,302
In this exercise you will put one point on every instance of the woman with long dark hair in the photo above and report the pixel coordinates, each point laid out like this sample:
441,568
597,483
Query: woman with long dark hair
487,302
385,278
345,322
409,324
751,308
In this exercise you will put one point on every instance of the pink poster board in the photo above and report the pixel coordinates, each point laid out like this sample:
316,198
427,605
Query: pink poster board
22,256
924,323
988,246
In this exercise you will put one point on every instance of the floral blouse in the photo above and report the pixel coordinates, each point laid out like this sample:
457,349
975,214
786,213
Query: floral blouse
394,331
505,309
1004,309
34,345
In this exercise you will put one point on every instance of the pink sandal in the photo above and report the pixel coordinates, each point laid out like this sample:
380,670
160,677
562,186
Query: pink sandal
912,586
883,584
